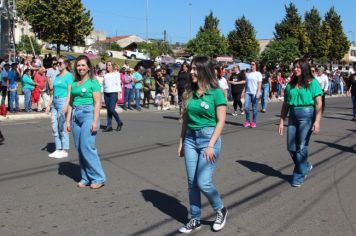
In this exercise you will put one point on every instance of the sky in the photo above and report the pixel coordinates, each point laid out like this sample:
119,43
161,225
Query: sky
181,19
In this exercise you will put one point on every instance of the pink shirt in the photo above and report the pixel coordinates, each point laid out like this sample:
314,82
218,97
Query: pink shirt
41,80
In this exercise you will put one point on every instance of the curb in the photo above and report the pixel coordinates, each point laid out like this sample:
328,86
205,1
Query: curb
40,115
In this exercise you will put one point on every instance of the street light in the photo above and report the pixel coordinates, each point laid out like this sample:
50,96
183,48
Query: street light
190,20
353,36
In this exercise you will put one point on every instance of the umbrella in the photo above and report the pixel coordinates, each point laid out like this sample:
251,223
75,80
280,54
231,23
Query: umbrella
71,57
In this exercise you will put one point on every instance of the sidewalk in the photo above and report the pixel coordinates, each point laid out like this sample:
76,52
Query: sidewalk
42,115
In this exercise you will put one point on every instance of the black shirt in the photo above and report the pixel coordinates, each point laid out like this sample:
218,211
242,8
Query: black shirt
352,83
265,78
183,77
235,88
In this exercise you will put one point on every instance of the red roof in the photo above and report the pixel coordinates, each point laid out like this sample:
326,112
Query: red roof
114,39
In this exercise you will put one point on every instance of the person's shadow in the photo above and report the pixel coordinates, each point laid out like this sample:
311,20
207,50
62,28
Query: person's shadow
50,147
70,170
264,169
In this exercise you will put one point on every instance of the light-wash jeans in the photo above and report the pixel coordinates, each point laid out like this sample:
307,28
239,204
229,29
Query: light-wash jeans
138,97
13,97
264,96
61,137
28,101
299,131
200,171
251,99
90,166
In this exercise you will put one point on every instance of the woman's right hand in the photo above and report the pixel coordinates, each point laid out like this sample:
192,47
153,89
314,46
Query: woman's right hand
180,150
69,128
281,127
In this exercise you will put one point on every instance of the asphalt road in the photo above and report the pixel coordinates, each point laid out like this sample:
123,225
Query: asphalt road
146,190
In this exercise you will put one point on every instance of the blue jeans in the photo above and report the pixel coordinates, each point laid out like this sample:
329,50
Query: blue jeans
138,97
264,96
251,99
299,131
28,101
13,97
61,137
200,171
128,97
84,140
353,98
110,103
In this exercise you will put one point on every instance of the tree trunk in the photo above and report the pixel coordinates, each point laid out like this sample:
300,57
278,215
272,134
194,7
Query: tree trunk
58,48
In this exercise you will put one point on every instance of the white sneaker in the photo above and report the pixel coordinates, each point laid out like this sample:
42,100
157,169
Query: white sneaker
61,154
55,153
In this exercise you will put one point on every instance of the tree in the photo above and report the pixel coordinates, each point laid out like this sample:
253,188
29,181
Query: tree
280,52
292,27
25,45
242,41
155,48
208,41
56,21
339,43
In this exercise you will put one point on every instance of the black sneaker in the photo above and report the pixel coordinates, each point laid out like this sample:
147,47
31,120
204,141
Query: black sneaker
220,219
193,224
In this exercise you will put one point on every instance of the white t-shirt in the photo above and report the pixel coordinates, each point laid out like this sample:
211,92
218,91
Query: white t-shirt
223,84
252,80
112,82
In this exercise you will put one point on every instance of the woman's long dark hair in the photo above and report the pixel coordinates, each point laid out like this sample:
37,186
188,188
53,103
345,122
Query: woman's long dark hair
306,75
87,60
206,78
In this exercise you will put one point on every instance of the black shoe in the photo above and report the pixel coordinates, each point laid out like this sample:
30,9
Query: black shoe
130,108
220,219
124,107
119,126
193,224
2,139
108,129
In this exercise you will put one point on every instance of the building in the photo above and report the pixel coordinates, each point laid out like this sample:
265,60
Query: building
127,42
7,25
350,57
94,37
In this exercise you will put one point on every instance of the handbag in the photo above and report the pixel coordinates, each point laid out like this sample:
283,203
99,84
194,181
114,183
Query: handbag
3,110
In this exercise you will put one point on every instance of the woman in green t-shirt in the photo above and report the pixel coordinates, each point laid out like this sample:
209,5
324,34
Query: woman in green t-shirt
83,121
204,113
302,98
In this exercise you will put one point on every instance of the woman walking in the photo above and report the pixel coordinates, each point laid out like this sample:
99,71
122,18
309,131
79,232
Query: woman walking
58,103
112,90
83,121
237,82
303,101
204,113
253,93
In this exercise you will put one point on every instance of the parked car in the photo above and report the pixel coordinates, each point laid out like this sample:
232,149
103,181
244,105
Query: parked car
91,50
52,46
181,60
165,59
136,54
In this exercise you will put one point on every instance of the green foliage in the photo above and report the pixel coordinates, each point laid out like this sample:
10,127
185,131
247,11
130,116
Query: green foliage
25,45
339,45
280,52
242,41
208,41
292,27
56,21
115,47
155,48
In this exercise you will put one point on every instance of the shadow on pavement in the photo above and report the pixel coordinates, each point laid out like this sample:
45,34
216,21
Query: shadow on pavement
264,169
337,146
167,204
50,147
70,170
171,117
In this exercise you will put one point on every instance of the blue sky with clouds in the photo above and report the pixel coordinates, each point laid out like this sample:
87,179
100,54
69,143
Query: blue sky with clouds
182,18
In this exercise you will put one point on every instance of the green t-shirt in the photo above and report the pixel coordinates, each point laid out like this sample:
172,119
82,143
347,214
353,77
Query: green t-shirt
60,84
83,95
201,110
27,82
301,97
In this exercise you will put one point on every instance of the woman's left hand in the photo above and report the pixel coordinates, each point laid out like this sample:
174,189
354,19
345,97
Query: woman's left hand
64,110
94,127
209,154
316,127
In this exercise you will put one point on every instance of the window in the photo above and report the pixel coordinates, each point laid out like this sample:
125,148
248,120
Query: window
353,53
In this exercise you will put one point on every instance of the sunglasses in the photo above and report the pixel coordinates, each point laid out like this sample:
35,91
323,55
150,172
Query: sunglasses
60,63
